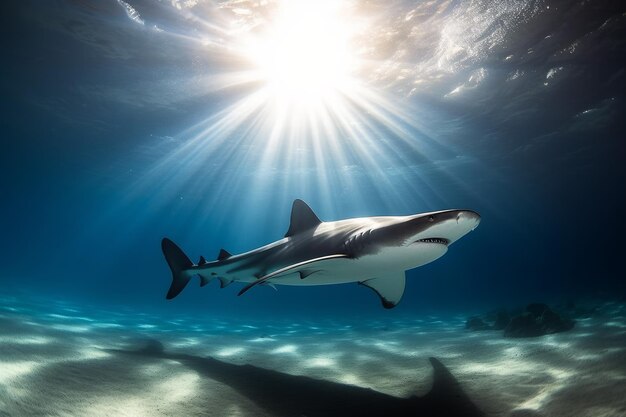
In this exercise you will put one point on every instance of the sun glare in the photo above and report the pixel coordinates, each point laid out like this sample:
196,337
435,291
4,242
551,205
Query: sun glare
304,55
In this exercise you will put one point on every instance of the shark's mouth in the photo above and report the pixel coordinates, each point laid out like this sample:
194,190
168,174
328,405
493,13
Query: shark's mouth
438,240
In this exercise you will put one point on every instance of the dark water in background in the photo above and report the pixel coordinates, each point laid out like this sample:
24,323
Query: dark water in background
97,164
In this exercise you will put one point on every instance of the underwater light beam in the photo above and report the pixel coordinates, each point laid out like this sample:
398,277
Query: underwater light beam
299,112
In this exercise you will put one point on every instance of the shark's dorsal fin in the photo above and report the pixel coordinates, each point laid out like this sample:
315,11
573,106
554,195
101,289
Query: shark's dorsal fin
302,218
202,261
224,254
389,288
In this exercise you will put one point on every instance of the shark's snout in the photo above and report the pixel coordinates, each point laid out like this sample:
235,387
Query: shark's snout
466,221
446,227
469,218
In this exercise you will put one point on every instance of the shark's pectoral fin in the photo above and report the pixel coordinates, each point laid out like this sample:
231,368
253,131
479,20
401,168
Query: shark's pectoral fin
315,265
389,288
204,280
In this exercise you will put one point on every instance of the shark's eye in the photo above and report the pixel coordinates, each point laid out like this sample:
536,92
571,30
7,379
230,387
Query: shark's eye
431,218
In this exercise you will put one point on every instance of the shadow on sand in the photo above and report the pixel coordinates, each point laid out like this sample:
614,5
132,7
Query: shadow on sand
290,395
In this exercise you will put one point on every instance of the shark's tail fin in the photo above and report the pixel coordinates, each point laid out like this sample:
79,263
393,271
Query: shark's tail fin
179,264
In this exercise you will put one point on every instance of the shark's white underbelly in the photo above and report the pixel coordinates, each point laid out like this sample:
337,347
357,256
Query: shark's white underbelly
364,268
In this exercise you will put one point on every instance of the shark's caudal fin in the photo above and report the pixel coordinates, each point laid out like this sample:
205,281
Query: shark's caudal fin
179,263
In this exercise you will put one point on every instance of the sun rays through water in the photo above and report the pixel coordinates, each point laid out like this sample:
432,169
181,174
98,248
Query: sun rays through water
303,113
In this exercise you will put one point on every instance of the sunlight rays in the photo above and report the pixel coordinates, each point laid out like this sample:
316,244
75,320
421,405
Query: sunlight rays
299,116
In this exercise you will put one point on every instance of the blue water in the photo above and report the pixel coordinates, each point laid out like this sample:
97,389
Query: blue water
95,106
124,122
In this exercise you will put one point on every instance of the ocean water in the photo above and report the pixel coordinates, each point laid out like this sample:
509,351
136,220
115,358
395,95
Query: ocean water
124,122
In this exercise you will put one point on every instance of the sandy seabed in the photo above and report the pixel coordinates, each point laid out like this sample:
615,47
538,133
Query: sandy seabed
58,359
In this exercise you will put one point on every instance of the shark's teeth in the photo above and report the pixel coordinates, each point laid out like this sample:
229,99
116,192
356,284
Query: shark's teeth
438,240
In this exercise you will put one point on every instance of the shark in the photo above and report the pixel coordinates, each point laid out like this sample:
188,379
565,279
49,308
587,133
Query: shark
372,251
